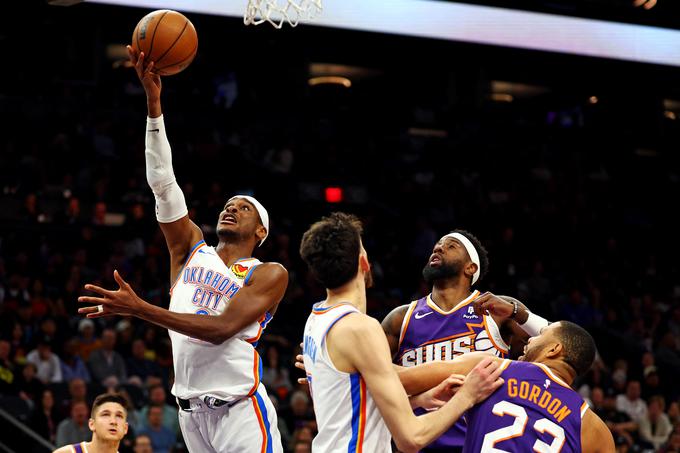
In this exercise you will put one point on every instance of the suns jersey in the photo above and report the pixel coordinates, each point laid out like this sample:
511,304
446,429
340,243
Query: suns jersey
346,415
534,410
429,333
228,371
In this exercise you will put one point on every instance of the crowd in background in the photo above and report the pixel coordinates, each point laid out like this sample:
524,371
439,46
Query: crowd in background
572,202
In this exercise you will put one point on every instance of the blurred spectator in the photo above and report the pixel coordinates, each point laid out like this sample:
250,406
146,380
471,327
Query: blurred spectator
87,342
77,393
652,383
7,370
107,366
157,398
72,366
29,387
142,444
298,412
620,424
631,403
673,445
47,363
75,429
162,439
125,337
275,376
655,427
139,368
674,413
45,418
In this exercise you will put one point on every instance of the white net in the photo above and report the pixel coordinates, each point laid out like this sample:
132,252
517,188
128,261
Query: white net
279,12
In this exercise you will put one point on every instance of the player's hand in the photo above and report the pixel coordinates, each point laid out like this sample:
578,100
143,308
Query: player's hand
150,80
437,396
489,302
482,381
300,364
124,301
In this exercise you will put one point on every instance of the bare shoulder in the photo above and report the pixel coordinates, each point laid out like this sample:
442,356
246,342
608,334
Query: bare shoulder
392,322
595,435
357,324
271,271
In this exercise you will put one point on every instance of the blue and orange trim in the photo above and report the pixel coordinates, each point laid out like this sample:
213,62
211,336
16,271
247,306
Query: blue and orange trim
263,420
192,252
358,392
323,311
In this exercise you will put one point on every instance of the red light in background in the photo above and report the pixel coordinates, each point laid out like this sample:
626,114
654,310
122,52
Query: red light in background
333,194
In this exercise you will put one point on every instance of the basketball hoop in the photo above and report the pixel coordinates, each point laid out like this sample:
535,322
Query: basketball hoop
278,12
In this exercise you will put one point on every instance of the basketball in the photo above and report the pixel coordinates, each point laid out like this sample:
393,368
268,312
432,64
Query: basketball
168,39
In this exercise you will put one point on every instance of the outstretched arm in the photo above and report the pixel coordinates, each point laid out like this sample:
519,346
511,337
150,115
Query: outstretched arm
181,234
356,342
263,292
423,377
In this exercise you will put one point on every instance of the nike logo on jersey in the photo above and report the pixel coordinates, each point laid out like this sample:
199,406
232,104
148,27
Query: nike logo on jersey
153,130
422,315
203,251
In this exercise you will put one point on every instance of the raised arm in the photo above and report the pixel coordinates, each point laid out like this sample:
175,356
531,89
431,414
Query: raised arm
506,309
357,343
595,436
261,294
181,234
392,327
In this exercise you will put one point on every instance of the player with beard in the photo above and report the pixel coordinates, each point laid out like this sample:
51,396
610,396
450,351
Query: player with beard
535,409
220,302
456,319
358,399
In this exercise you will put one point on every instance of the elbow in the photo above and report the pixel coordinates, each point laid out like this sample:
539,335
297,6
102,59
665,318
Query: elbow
408,444
219,336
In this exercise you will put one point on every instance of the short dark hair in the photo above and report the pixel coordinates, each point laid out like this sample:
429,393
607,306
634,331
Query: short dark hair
331,248
108,398
579,347
481,251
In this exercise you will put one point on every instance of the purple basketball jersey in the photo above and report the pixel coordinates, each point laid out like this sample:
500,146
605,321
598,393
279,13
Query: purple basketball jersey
429,334
534,410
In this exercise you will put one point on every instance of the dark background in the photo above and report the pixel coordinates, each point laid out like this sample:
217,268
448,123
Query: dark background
572,187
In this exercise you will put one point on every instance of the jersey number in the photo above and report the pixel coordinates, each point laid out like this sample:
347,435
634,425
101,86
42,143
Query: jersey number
517,429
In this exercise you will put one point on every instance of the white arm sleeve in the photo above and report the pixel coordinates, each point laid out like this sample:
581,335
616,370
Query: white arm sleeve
534,324
170,204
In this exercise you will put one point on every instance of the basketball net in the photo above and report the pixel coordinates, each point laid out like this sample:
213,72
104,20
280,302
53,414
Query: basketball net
279,12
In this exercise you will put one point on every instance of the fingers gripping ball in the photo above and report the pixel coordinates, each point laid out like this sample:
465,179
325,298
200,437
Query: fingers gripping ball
168,39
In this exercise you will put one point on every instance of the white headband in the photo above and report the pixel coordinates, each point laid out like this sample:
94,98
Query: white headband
264,216
472,251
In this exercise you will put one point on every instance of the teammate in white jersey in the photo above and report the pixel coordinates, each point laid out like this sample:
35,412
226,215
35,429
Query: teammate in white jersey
220,303
358,398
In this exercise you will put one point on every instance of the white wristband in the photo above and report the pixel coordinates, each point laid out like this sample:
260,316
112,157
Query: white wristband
534,324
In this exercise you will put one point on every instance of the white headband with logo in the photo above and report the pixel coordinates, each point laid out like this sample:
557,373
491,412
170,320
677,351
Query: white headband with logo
472,251
264,216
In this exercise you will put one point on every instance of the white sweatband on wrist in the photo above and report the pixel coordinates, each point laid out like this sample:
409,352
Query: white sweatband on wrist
534,324
170,203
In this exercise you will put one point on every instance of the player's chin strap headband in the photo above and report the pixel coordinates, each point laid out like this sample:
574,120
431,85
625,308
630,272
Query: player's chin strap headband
472,251
264,216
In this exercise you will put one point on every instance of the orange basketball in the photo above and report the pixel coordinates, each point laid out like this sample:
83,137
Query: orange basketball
168,39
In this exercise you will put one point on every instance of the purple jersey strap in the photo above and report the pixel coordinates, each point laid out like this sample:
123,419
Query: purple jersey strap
78,448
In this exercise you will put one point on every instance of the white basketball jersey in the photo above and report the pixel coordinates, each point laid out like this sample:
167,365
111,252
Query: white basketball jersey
231,370
346,415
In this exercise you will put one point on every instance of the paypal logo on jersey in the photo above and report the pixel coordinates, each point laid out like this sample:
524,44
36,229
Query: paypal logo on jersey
309,347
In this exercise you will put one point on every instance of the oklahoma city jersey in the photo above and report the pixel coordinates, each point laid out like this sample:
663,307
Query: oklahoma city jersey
346,415
429,333
534,410
229,371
